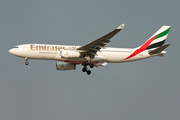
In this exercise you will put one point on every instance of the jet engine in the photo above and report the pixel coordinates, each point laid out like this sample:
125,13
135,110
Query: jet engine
65,66
70,54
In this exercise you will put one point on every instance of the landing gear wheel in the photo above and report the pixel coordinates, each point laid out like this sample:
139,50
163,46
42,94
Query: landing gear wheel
84,69
26,63
88,72
91,65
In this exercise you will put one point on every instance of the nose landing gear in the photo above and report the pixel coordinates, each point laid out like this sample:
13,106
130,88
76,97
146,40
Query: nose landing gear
26,63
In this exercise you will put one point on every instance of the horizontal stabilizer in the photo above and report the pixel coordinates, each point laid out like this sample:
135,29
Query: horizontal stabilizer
159,49
99,65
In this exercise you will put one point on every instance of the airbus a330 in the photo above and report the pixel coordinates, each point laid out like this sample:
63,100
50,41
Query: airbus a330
93,54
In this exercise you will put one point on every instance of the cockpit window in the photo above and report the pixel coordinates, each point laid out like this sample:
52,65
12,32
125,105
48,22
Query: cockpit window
16,47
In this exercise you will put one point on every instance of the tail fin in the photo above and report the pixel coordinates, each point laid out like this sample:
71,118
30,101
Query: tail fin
155,41
158,39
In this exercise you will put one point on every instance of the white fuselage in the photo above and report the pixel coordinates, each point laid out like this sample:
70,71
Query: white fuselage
94,52
53,52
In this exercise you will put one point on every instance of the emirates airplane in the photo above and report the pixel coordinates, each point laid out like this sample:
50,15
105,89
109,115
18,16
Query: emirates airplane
93,54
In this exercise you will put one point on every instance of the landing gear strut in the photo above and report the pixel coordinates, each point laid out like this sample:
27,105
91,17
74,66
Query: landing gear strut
26,63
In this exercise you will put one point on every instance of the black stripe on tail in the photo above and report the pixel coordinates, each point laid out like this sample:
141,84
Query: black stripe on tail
156,45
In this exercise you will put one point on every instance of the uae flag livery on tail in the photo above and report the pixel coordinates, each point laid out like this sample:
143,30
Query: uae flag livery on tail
156,40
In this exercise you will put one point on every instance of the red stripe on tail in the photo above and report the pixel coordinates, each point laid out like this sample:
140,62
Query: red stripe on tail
142,48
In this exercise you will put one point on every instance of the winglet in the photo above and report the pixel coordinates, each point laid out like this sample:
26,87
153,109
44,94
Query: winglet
121,26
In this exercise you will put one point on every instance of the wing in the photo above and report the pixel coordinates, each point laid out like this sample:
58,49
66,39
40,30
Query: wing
91,48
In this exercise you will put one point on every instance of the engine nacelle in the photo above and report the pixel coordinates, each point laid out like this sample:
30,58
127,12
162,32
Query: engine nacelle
70,54
65,66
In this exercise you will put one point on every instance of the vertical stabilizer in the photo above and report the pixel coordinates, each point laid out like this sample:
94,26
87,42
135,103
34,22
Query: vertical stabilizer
155,41
159,37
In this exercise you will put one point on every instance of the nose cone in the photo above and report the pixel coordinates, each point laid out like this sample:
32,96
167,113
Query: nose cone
11,51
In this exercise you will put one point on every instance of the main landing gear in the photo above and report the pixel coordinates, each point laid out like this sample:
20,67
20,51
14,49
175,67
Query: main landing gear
85,69
26,63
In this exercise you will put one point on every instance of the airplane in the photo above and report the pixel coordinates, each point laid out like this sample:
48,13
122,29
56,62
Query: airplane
93,54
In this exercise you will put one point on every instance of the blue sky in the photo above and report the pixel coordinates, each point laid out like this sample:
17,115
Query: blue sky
146,89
